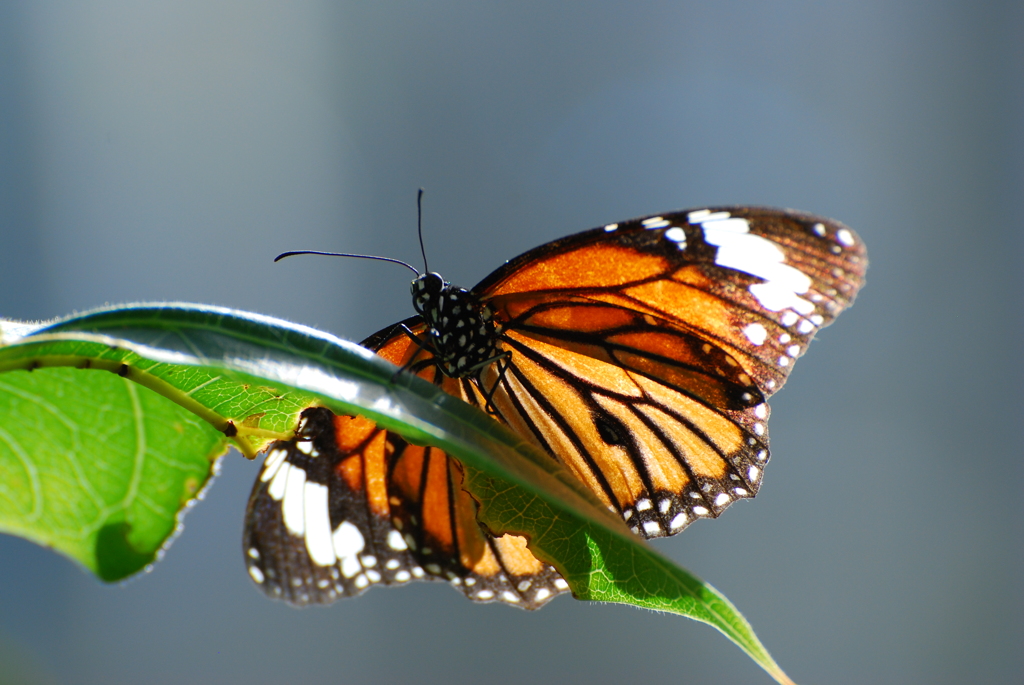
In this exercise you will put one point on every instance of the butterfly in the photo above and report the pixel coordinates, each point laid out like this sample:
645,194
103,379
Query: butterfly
639,355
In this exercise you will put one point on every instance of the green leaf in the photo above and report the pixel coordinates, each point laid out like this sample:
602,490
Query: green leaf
218,376
97,467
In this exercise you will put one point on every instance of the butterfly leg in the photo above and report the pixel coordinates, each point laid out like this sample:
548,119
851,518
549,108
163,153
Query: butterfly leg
502,361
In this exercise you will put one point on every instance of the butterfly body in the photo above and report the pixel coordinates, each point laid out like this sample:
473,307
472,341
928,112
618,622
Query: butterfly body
639,355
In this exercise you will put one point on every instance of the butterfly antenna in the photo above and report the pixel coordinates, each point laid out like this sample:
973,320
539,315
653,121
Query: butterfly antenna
410,267
419,228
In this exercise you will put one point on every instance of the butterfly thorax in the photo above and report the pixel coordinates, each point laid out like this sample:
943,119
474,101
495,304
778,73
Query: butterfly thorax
460,330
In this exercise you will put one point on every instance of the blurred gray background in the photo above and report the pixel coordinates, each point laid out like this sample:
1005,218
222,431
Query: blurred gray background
167,151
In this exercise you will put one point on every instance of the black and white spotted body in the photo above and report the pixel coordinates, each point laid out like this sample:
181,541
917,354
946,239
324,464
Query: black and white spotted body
461,332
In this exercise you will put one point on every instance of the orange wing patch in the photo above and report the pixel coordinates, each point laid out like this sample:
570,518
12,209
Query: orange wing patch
660,456
590,266
365,468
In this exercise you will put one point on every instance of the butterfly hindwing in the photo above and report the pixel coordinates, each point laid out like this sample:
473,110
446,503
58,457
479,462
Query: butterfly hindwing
657,456
438,519
345,505
318,522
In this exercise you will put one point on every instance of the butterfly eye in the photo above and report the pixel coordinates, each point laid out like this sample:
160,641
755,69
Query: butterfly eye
430,283
426,288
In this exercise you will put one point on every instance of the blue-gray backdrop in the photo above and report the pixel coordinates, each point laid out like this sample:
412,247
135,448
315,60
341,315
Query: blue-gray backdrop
167,151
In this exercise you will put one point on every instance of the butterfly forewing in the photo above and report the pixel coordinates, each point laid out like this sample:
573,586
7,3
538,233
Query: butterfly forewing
756,283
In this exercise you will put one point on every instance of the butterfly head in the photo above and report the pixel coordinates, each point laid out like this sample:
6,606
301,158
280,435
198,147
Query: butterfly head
427,291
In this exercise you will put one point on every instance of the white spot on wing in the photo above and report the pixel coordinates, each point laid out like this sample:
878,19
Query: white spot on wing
844,236
348,541
740,249
272,463
755,333
256,574
318,525
677,235
819,229
655,222
293,506
678,522
776,295
350,567
276,489
561,584
705,215
396,542
611,227
542,594
652,527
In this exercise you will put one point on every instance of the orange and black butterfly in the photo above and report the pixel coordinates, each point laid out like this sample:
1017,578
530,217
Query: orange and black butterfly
638,354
